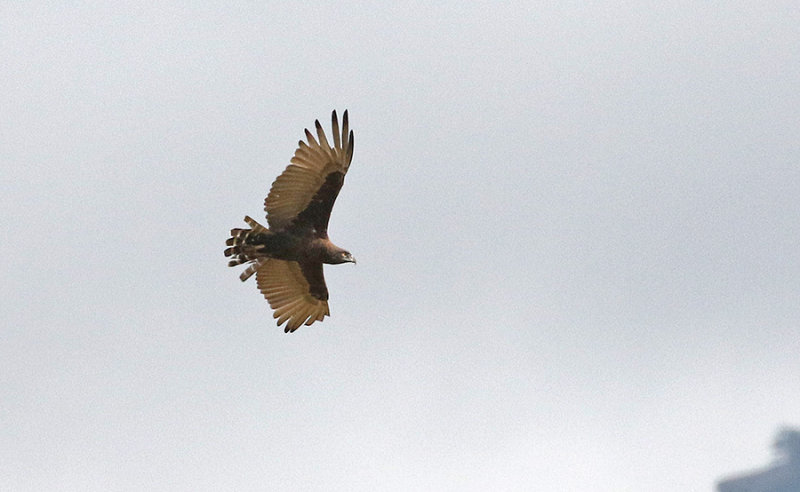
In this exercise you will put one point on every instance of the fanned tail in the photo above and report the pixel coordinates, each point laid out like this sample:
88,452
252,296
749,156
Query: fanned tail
244,247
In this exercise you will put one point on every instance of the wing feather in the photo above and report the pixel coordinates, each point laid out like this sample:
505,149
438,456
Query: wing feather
323,142
289,293
305,180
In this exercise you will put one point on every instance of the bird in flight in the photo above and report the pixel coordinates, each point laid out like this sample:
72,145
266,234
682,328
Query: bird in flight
287,257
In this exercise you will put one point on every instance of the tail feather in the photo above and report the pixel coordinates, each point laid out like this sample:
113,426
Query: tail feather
255,225
242,250
252,268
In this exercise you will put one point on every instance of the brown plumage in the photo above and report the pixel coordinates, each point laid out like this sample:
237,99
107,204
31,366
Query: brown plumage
287,257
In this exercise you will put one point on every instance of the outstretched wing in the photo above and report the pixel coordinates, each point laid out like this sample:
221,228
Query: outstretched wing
303,195
295,291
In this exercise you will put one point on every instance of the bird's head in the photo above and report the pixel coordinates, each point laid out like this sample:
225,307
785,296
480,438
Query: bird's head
346,257
335,256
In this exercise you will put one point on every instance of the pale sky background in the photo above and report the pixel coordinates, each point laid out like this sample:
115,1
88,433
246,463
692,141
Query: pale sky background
577,227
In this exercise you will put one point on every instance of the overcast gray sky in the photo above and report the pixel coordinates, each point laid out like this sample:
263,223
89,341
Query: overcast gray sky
577,226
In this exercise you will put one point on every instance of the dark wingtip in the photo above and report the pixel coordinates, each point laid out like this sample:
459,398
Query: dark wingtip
310,137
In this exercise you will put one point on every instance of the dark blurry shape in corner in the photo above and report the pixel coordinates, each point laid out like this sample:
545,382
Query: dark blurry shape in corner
782,476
